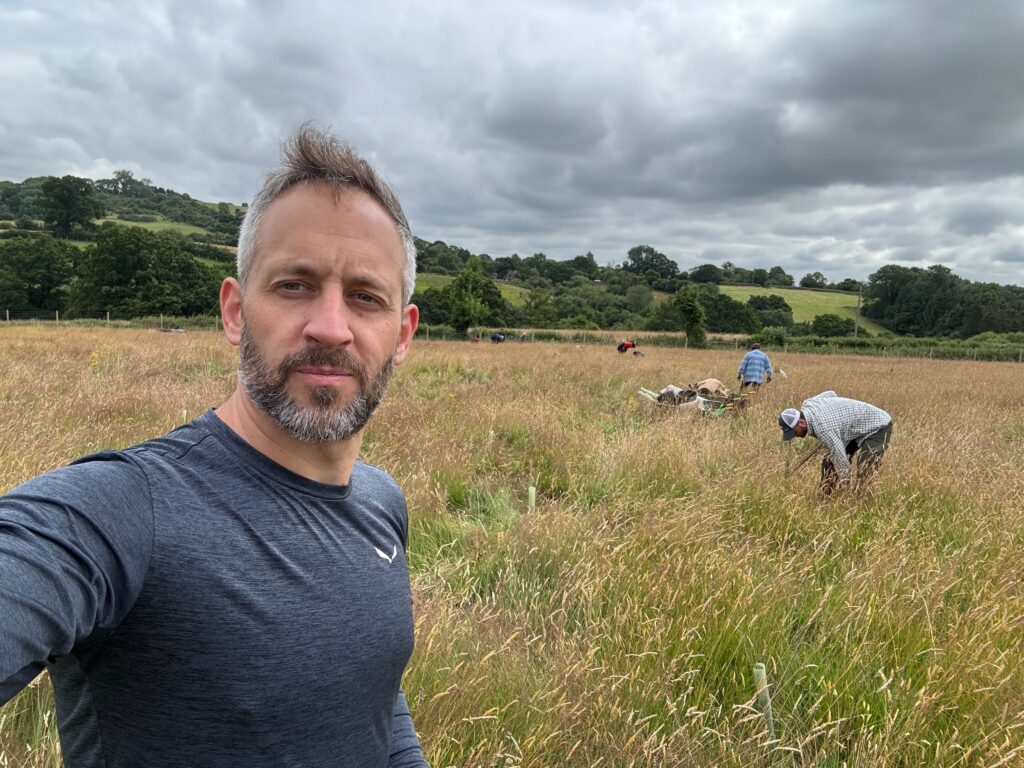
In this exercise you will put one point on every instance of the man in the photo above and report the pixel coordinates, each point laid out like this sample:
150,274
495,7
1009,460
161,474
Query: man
844,427
755,368
235,593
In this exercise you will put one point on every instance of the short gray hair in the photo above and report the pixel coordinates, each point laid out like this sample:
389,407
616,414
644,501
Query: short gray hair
309,156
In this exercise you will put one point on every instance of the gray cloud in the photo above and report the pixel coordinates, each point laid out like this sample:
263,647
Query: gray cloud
831,136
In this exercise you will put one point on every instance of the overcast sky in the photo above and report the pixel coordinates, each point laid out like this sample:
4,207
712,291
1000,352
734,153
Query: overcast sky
827,135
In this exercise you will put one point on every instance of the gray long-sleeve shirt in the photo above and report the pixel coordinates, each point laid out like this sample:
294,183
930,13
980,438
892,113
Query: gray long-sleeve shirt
199,605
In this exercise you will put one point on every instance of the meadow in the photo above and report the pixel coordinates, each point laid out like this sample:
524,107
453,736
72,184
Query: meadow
807,303
616,620
514,294
162,225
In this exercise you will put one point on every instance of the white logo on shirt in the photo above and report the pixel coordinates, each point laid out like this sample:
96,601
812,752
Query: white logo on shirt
393,553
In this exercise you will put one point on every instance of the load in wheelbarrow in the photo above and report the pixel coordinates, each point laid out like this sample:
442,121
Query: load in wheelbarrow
710,397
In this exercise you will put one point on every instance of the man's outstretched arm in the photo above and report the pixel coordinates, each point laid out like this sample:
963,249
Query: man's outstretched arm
74,545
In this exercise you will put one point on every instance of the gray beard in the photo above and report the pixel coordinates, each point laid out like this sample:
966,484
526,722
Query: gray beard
325,420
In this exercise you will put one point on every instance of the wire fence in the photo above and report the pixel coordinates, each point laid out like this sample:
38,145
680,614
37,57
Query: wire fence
113,319
938,349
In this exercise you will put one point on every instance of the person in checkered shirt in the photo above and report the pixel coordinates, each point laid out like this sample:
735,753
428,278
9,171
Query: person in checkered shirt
845,427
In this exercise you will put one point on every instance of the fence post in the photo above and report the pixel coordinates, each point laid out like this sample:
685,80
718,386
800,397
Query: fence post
161,321
108,318
1020,355
764,699
8,315
56,315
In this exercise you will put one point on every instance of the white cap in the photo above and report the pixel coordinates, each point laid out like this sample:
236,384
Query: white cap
788,420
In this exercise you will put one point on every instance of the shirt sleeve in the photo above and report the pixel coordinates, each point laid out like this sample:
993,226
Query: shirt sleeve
837,452
74,548
405,746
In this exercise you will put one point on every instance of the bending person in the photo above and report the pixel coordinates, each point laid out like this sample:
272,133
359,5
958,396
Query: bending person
846,428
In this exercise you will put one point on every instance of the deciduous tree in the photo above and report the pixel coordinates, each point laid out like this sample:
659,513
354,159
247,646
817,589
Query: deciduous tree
68,202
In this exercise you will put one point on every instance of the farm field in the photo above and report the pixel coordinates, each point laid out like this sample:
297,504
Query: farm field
617,622
157,226
807,303
513,294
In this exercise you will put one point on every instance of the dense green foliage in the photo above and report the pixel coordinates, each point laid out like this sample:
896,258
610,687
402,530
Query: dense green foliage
832,325
35,272
70,200
724,314
68,203
134,272
126,271
575,293
935,302
683,312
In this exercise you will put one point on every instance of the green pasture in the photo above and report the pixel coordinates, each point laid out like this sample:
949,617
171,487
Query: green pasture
807,303
158,226
513,294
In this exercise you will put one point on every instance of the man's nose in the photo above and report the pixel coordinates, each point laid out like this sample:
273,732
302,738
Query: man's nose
328,322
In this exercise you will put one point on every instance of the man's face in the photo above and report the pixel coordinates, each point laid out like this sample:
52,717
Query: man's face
800,430
320,323
328,417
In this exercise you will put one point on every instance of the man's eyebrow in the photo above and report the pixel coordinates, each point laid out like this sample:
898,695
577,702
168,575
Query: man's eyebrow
292,270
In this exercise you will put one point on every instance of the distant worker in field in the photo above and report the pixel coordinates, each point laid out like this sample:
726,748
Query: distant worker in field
844,427
755,368
625,346
236,593
498,337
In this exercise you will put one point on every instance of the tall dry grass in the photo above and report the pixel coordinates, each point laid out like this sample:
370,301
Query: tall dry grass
616,624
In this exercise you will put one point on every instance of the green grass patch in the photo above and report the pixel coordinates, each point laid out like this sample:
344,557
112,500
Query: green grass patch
807,303
158,226
513,294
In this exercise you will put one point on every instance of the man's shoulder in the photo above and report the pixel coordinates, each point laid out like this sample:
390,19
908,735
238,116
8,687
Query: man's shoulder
821,397
178,442
371,477
102,473
133,464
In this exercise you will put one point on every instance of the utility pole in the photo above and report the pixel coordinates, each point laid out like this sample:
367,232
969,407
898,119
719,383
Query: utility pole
856,323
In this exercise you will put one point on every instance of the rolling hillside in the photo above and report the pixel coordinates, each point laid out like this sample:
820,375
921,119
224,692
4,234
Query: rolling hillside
513,294
806,302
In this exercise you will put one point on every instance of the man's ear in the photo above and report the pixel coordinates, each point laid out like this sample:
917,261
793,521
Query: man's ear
231,309
410,319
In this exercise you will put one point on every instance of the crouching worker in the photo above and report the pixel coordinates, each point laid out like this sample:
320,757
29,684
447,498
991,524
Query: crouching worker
844,427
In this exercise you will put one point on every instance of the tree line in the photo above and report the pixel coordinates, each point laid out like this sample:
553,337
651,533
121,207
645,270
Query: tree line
69,206
124,270
128,270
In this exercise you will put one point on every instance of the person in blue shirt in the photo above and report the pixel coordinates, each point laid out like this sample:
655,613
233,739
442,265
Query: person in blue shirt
755,368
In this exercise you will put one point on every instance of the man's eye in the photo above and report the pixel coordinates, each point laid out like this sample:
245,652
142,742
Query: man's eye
291,287
365,298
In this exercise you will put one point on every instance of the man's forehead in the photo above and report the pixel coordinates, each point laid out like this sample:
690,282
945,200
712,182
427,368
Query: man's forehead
343,219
